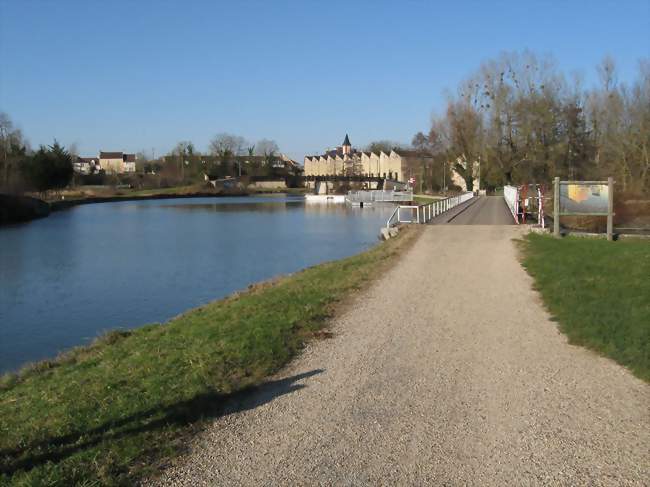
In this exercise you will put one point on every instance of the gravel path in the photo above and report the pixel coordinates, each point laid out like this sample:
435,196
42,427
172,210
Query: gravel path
447,371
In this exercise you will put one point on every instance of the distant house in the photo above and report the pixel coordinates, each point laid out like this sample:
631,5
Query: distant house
117,162
129,162
86,165
458,180
289,164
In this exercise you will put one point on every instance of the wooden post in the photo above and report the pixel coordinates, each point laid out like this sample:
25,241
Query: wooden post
610,208
556,207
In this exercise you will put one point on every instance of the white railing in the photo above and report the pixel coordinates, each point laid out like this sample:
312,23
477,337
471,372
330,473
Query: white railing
425,213
378,195
511,195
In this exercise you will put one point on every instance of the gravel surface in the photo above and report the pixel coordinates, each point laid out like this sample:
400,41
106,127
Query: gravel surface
447,371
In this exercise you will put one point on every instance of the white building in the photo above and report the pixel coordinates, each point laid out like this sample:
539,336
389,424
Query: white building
86,165
396,165
117,162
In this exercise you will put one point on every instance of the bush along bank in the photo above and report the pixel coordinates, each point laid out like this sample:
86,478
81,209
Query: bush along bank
110,413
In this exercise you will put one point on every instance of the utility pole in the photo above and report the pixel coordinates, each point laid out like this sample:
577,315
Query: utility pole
556,207
4,135
423,176
444,176
610,208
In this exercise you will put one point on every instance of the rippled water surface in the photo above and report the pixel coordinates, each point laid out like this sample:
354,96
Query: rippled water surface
67,278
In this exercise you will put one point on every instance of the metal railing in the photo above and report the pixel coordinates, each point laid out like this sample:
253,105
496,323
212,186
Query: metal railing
525,200
378,195
425,213
511,195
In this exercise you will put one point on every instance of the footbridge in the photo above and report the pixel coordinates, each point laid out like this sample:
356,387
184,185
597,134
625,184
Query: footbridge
463,209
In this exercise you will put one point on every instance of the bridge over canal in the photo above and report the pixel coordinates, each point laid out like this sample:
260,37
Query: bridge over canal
480,210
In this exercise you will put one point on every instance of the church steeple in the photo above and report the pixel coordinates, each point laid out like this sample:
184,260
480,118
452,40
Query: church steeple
347,147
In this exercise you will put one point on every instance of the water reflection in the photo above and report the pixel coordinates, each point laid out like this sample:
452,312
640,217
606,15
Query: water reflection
238,207
75,274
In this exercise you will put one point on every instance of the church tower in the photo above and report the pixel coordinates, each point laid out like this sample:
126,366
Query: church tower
346,147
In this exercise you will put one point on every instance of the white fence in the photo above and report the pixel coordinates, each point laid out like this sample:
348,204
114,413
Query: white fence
511,195
424,213
525,202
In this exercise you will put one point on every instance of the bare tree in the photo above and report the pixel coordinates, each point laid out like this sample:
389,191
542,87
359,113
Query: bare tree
383,146
225,144
184,153
420,142
13,148
265,147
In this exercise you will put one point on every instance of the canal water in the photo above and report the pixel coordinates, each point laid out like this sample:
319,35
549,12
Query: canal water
68,278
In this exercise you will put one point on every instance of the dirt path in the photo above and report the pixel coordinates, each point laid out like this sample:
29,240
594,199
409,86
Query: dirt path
446,372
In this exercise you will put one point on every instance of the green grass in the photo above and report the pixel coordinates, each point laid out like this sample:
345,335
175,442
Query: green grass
110,413
193,188
292,191
599,292
424,199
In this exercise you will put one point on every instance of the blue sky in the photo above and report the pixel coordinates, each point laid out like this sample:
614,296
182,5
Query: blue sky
127,75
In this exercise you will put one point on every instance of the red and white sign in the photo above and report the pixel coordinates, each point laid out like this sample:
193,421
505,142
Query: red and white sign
411,180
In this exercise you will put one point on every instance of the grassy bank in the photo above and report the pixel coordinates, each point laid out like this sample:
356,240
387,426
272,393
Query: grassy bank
110,413
86,192
74,198
291,191
168,193
599,292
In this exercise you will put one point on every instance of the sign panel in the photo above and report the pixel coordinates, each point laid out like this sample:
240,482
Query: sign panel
583,198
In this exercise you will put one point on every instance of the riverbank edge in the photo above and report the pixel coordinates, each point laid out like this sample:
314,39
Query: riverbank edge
66,204
46,401
46,207
19,209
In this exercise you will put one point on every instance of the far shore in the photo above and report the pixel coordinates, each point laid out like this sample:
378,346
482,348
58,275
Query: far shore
21,209
68,203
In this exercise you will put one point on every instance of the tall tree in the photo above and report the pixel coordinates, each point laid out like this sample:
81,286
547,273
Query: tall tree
382,146
519,115
265,147
13,149
49,168
226,145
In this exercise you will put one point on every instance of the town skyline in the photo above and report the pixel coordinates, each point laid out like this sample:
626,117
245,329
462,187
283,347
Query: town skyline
147,89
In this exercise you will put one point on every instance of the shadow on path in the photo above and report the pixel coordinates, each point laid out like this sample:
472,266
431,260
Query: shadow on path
184,413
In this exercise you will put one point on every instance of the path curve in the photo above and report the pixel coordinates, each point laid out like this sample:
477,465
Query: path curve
447,371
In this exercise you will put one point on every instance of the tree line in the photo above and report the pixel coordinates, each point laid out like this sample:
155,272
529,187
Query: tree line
228,155
51,167
517,119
